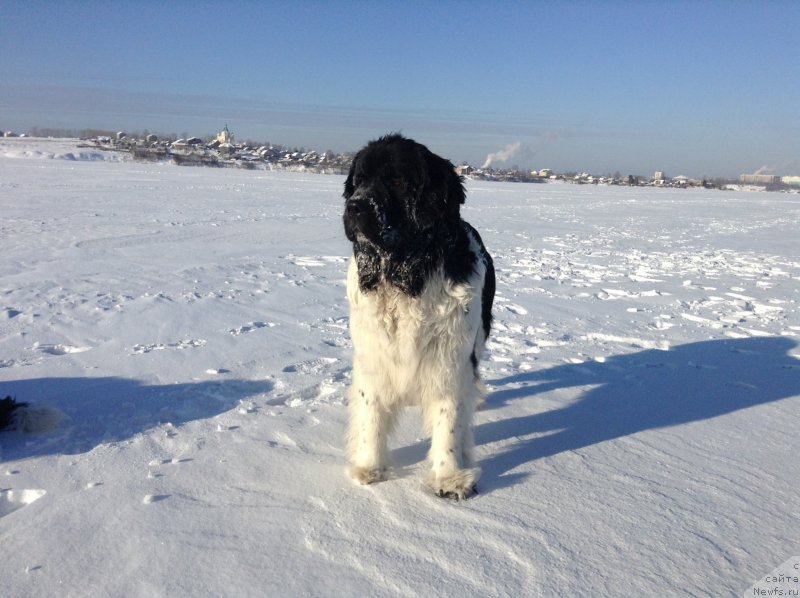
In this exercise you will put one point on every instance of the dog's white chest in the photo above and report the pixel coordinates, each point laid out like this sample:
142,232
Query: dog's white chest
409,337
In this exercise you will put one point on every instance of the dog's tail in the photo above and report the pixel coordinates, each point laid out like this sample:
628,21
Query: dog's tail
25,417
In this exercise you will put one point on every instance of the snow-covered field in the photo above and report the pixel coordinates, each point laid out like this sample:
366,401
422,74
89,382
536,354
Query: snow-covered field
641,436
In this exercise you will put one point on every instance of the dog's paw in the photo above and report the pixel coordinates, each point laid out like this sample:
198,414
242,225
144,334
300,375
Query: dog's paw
456,496
367,475
461,485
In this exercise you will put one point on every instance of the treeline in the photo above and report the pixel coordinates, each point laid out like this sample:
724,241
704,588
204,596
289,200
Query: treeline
94,133
72,133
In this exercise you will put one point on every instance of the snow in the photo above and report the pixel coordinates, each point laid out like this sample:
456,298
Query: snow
639,437
54,149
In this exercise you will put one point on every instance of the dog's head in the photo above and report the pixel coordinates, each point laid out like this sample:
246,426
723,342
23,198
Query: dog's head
398,192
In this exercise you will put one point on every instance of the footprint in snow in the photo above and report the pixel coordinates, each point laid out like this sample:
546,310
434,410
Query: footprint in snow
59,349
151,498
140,349
316,261
517,309
317,391
172,461
246,408
251,327
312,366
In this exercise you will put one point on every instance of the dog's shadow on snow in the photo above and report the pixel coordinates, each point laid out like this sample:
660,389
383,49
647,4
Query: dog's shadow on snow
111,409
631,393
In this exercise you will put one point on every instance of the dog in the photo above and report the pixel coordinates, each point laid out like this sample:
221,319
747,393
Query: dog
420,286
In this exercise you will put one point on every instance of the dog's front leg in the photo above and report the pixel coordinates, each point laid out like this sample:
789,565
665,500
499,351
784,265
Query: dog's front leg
370,422
451,475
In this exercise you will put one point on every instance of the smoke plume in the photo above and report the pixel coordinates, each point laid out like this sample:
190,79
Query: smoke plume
504,154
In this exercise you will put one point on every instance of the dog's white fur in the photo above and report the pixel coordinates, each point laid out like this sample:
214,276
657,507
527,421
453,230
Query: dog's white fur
416,351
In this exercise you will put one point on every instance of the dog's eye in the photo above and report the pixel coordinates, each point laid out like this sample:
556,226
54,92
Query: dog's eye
398,183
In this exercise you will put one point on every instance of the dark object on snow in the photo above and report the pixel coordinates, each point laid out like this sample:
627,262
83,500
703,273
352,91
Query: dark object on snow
7,408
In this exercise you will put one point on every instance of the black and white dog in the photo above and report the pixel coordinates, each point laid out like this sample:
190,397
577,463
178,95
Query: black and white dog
420,287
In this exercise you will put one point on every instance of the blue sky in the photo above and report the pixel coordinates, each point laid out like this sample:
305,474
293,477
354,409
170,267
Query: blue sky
695,88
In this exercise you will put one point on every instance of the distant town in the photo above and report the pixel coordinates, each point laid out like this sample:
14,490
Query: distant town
222,151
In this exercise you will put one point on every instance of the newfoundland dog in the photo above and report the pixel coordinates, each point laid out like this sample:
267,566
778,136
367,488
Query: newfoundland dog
420,287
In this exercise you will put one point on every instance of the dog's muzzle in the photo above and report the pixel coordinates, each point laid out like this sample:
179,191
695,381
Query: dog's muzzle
363,215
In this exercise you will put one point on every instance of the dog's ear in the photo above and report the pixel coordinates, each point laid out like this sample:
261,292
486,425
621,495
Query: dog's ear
349,186
456,195
445,185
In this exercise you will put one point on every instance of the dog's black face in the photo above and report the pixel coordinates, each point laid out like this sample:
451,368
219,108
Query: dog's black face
401,212
398,194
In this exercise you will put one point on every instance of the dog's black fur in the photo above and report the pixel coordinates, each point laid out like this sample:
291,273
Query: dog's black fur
8,412
402,216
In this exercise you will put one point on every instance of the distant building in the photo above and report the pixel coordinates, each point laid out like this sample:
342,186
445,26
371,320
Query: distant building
225,136
464,169
759,179
791,180
658,177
